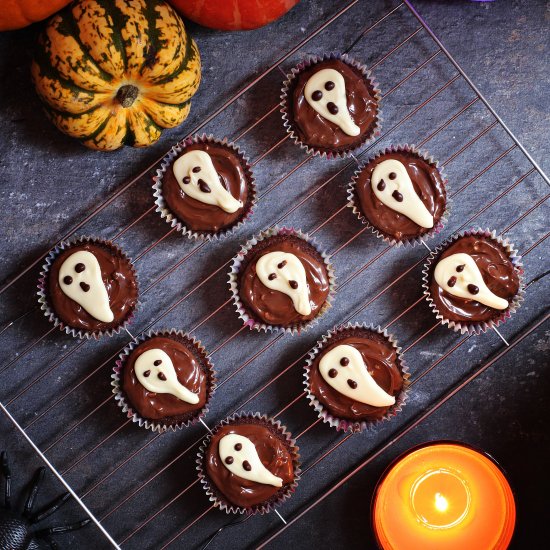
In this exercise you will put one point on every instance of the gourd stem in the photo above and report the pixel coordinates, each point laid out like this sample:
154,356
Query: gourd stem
126,95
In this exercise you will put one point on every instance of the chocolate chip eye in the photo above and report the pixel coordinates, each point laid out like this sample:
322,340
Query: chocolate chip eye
157,362
84,286
282,264
352,383
147,373
381,185
317,95
197,169
293,284
460,268
333,373
344,361
229,460
452,281
204,187
272,276
161,376
246,466
79,267
392,175
332,108
186,180
238,446
397,196
329,85
67,279
472,289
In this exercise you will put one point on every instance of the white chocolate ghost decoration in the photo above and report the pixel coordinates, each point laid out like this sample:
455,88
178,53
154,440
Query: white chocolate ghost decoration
393,187
284,272
343,369
459,275
156,373
325,91
80,279
197,177
240,457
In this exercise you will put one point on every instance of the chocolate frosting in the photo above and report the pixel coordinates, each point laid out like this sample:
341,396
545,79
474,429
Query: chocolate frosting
428,184
119,279
319,132
274,452
197,215
274,307
192,369
498,272
383,365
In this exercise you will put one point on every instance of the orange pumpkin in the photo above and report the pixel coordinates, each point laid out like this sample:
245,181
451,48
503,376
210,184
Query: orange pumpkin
16,14
233,15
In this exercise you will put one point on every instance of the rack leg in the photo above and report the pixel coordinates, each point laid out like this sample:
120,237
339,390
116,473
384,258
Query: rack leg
281,517
501,337
426,246
205,425
131,335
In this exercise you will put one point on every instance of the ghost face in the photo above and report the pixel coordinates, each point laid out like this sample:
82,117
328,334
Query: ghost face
80,279
343,369
156,373
325,91
392,186
240,457
197,177
459,275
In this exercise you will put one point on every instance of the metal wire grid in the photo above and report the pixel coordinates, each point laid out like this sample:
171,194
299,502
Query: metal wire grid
190,449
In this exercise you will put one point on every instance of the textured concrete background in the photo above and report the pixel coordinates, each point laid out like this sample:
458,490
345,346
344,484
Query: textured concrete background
48,182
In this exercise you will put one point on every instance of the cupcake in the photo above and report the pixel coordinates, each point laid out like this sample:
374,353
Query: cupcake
401,194
88,287
280,280
205,187
164,381
248,464
474,281
330,105
356,377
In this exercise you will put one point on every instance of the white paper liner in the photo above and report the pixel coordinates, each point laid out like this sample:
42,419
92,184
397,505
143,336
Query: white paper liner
234,273
164,210
356,426
158,425
284,492
356,207
43,290
476,327
286,109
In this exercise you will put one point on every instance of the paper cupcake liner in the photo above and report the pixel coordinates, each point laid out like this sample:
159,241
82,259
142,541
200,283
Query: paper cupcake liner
164,210
286,109
234,273
354,204
356,426
216,497
158,425
475,327
43,291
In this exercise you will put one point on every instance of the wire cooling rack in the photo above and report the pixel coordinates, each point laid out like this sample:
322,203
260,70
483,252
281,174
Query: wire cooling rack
141,488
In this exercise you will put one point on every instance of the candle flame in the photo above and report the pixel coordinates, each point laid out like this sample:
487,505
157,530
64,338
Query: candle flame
441,503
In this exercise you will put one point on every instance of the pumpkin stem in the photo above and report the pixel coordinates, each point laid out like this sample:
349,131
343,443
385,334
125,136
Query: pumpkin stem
126,95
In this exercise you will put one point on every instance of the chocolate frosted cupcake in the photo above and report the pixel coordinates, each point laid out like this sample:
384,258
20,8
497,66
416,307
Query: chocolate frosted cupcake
401,194
205,187
330,105
248,464
164,381
88,287
474,281
280,280
355,377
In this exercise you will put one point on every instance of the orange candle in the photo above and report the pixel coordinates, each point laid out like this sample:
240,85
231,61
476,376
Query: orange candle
443,496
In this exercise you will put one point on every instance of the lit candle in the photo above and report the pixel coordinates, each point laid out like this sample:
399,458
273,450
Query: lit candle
443,496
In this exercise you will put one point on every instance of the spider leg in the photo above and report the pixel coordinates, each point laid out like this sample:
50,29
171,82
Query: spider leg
50,509
38,477
6,472
62,528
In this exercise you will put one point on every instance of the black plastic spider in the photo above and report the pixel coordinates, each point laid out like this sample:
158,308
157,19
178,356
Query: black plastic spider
16,529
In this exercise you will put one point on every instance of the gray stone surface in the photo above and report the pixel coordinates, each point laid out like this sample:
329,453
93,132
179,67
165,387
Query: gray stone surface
49,183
